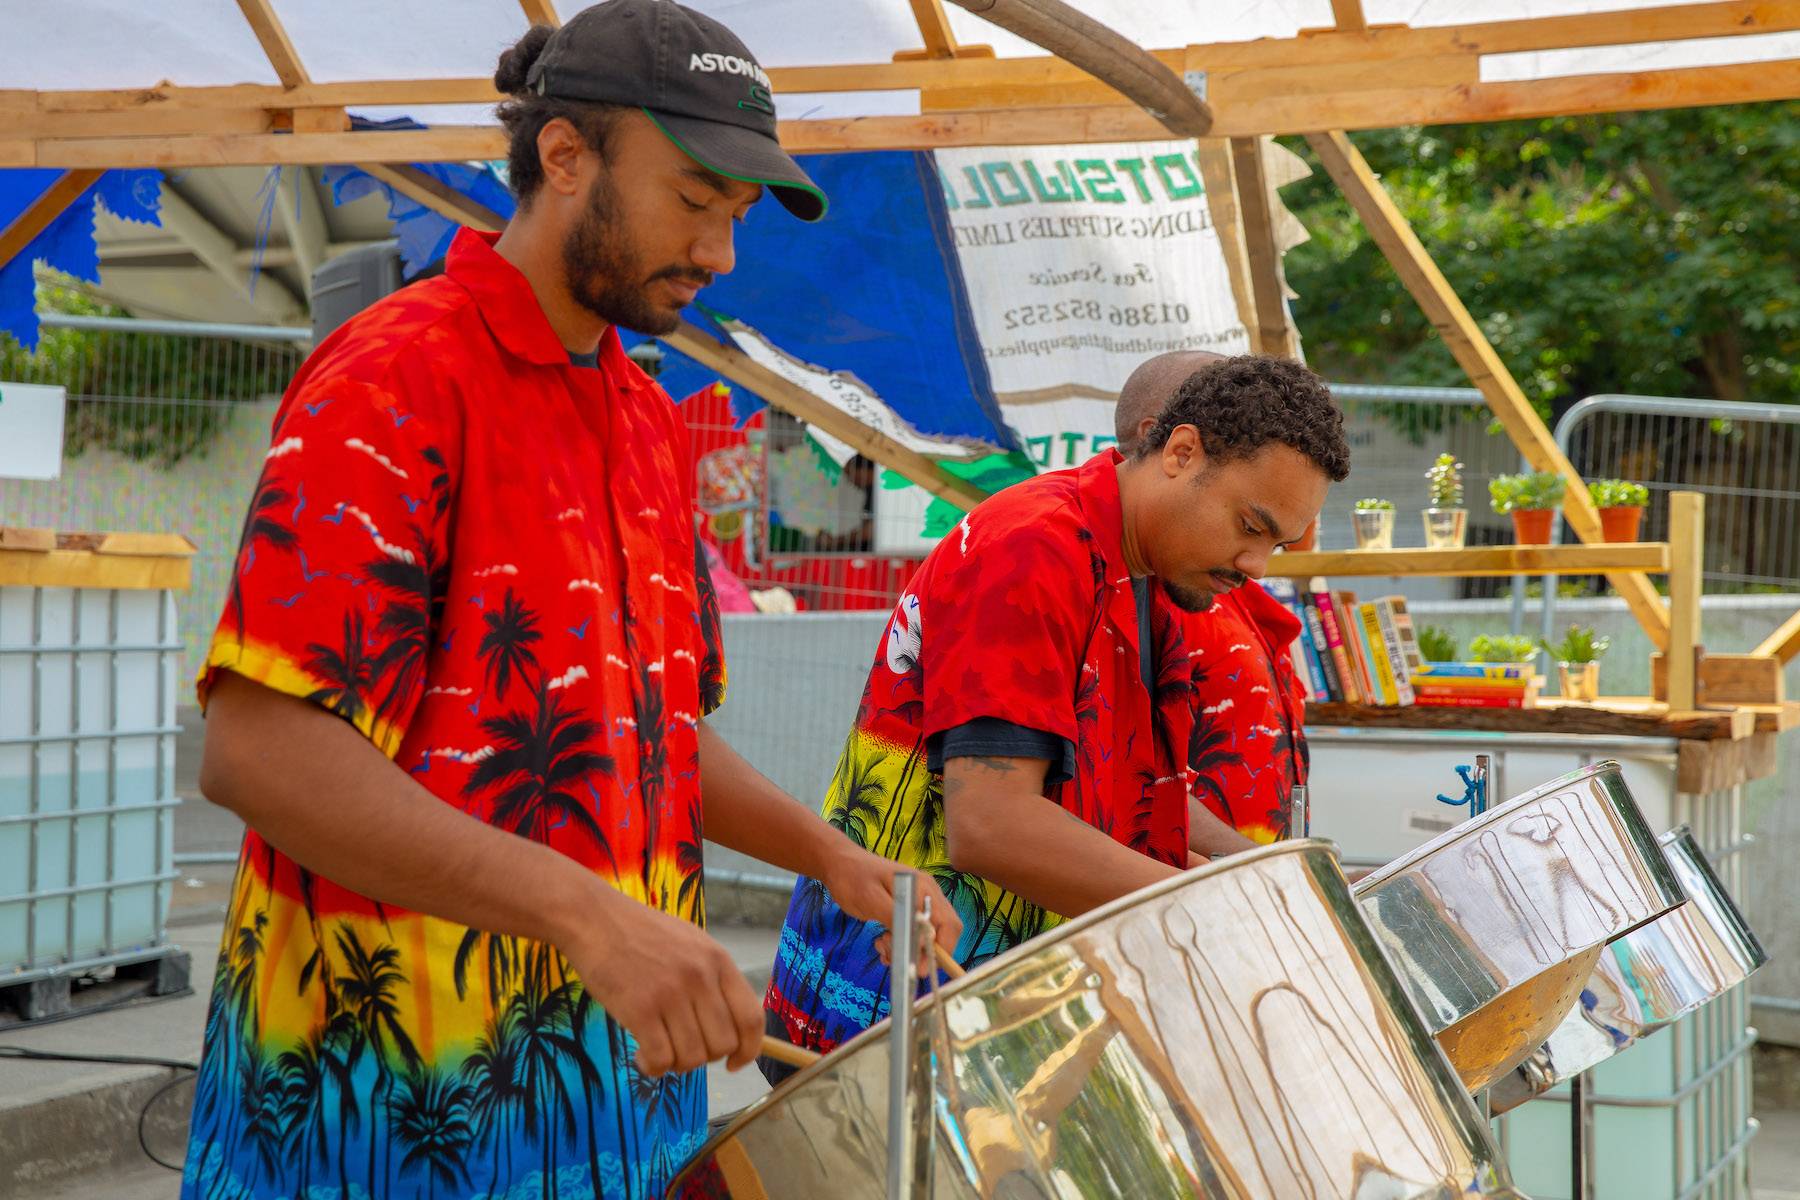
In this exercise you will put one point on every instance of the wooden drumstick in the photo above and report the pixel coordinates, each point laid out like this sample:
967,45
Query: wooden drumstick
787,1052
795,1056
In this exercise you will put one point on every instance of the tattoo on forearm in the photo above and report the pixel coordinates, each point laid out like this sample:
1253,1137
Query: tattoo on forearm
1004,766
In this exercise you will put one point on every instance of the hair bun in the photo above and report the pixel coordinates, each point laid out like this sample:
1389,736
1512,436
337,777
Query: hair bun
515,64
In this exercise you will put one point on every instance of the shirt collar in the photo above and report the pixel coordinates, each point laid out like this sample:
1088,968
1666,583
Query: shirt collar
1274,618
1097,485
512,312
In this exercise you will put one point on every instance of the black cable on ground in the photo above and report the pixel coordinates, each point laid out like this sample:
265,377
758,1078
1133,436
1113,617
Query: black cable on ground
128,1060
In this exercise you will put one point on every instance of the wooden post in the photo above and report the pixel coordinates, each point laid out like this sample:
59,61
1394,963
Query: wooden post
1687,530
1464,339
1220,180
37,216
1274,334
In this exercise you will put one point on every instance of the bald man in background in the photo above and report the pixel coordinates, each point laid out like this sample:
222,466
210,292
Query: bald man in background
1248,748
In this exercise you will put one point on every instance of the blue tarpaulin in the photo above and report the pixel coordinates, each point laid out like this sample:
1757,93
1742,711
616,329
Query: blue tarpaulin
67,244
873,290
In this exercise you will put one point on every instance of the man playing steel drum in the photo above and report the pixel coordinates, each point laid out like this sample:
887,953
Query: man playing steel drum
1248,748
1023,736
458,693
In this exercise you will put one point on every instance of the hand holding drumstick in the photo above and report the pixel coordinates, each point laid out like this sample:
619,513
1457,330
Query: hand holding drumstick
795,1056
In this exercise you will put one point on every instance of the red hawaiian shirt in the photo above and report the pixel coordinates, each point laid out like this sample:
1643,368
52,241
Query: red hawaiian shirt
1023,613
1249,741
481,556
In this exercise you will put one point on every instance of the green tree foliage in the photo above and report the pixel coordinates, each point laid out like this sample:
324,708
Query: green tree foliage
1655,253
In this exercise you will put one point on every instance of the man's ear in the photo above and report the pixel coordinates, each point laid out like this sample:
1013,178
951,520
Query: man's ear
1182,454
559,146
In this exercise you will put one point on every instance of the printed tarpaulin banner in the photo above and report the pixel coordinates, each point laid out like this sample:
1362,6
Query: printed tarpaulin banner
1080,262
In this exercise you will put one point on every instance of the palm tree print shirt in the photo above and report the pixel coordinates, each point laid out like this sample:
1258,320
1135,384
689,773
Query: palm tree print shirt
482,557
1248,748
1024,613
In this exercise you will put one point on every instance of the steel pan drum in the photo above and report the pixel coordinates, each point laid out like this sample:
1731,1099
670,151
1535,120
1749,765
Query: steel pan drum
1233,1033
1647,979
1495,926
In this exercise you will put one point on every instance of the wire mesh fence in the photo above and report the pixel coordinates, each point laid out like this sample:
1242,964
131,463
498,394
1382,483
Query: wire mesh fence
166,431
1745,458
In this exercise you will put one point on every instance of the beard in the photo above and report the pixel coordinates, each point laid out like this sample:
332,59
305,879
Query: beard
1187,599
606,274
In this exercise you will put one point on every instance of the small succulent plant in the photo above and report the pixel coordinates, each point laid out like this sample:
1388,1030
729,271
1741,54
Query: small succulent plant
1444,478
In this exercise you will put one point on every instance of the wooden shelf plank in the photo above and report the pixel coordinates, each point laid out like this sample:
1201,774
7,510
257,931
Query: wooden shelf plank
1628,716
1476,560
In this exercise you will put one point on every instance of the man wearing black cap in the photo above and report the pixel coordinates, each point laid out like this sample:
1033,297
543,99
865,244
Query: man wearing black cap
458,691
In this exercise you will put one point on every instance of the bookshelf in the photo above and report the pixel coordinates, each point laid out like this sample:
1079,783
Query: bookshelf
1727,740
1653,557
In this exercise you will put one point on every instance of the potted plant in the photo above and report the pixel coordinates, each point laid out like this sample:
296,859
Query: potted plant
1446,521
1621,504
1532,499
1501,648
1436,644
1577,658
1373,523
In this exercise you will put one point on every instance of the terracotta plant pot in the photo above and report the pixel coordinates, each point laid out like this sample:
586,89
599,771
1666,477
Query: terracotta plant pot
1531,526
1620,524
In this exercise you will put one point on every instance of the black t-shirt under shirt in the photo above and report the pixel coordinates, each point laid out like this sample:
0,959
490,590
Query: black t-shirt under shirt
992,737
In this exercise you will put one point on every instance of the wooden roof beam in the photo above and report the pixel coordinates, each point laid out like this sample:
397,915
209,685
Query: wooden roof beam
541,12
433,194
1347,15
940,41
274,39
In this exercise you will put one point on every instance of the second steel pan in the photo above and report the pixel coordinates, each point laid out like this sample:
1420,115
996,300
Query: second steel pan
1495,926
1235,1033
1647,979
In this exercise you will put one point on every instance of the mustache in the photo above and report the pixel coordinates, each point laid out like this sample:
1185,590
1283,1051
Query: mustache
694,275
1230,578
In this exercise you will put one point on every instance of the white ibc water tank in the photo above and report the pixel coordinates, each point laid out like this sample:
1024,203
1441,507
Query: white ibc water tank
90,660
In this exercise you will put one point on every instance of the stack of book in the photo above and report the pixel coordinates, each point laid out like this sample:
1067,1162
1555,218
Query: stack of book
1476,685
1351,651
1365,652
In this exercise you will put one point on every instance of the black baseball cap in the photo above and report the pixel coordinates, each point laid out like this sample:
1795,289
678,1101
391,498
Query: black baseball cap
690,75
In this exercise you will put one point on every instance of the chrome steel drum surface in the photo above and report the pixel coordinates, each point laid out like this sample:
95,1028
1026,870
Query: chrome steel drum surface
1647,979
1234,1033
1495,926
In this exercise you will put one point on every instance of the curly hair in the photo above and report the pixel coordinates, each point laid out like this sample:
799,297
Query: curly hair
1239,405
526,113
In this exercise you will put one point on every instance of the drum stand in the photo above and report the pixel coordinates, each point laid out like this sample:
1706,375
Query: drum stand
912,1083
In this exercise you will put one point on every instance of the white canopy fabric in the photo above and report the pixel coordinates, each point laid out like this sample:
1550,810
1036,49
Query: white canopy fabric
107,44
